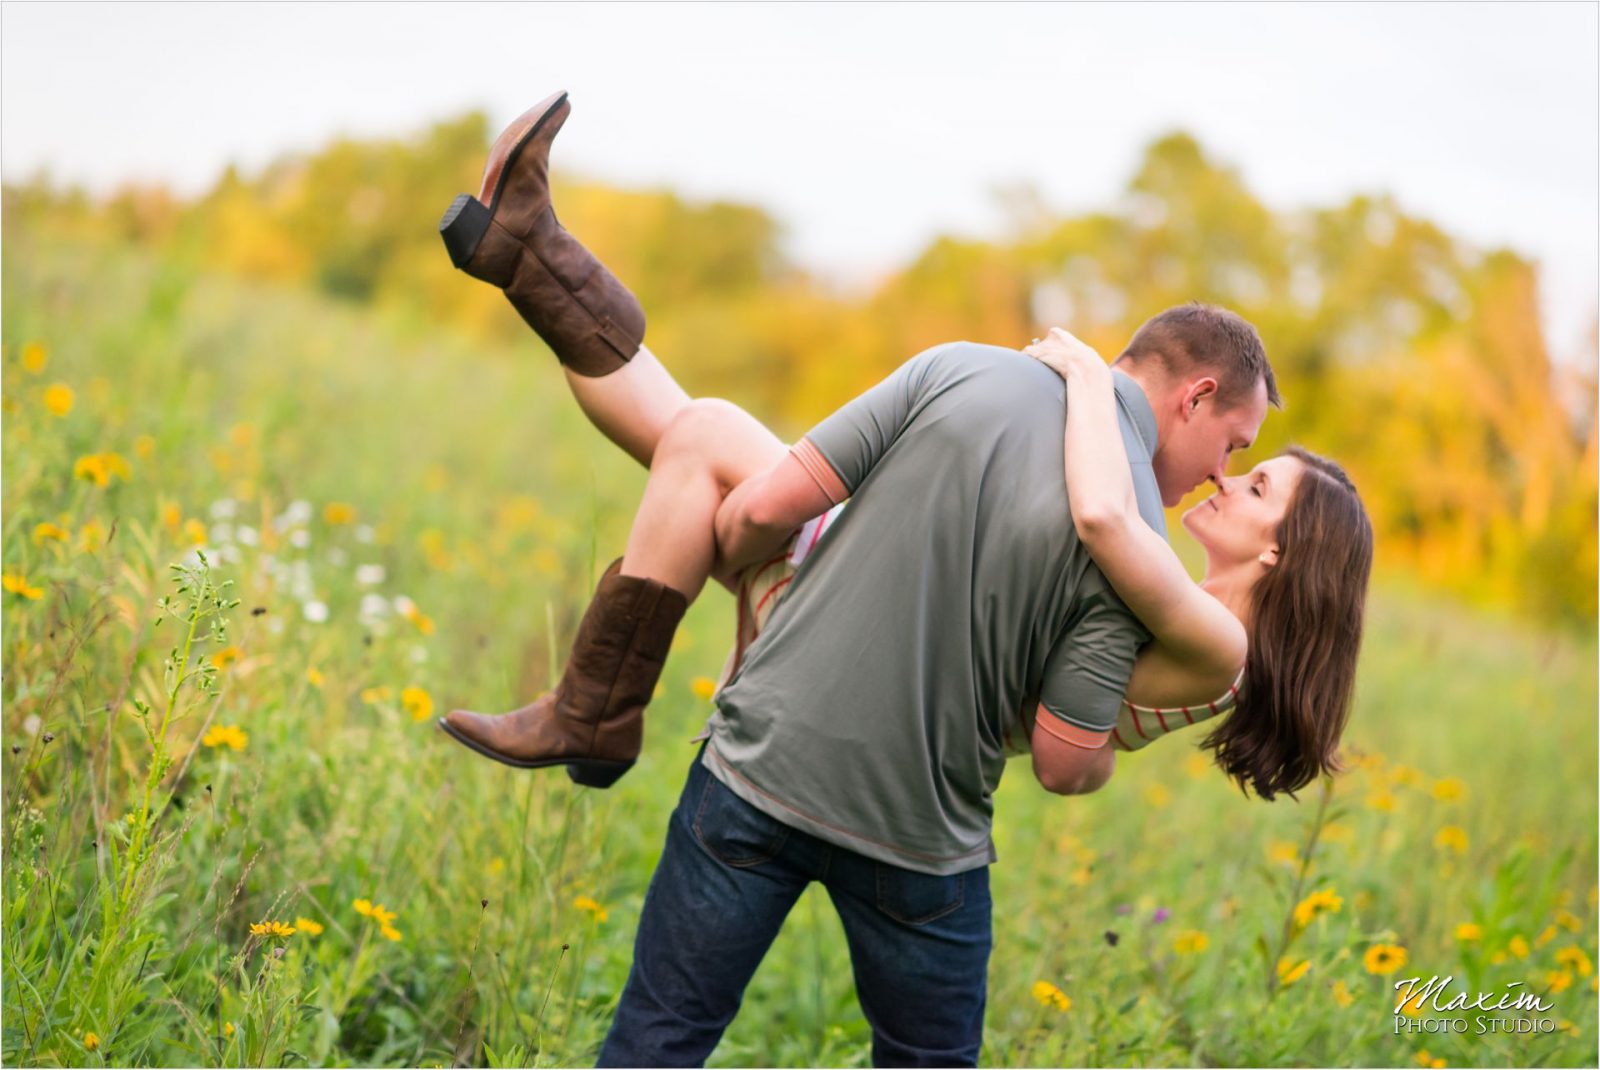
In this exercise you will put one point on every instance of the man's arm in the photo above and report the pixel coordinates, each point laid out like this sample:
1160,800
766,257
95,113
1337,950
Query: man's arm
823,469
1081,694
1067,768
760,513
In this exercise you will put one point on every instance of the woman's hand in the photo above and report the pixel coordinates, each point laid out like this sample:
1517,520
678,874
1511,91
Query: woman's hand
1068,357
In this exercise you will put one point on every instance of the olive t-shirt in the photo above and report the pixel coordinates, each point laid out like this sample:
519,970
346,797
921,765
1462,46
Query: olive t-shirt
951,595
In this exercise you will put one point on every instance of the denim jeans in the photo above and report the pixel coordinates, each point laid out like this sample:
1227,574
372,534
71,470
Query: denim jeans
919,944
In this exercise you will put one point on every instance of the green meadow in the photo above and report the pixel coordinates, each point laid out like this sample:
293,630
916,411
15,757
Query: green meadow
256,539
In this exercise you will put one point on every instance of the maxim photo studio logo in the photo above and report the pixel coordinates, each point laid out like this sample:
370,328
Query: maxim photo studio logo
1511,1011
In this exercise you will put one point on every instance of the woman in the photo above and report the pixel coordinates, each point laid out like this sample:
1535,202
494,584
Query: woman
1288,547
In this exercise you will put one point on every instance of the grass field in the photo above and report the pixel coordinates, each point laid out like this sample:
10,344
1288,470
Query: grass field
286,768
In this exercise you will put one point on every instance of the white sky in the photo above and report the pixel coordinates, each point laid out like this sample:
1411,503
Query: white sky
866,129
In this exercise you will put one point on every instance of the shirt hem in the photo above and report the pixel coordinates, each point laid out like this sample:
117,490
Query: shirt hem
779,810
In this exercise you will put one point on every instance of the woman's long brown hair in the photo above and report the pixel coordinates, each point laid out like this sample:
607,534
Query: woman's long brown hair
1305,632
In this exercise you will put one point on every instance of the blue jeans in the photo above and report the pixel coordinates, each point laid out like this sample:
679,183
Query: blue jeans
729,874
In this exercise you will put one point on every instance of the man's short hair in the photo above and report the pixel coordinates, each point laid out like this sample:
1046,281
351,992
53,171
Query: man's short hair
1195,336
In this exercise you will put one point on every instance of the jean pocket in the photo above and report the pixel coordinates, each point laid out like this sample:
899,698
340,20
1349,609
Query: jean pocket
918,898
736,833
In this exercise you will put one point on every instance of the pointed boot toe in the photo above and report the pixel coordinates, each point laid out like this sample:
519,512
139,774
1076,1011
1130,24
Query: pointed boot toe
509,236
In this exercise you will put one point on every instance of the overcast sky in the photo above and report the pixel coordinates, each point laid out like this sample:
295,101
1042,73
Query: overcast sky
867,128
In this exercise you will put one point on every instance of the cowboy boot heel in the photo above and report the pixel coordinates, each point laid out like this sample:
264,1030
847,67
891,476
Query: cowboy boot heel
595,774
463,226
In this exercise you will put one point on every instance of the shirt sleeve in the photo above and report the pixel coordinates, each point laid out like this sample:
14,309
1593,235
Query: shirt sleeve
857,436
1087,673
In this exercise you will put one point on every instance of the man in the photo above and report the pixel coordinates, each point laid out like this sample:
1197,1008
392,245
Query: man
861,739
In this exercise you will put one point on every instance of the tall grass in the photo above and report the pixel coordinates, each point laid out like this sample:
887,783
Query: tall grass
197,751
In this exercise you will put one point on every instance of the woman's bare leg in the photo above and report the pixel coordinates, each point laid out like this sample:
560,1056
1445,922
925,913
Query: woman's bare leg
633,405
709,447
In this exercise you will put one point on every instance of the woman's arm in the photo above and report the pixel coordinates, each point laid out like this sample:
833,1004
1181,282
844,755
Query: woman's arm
1192,627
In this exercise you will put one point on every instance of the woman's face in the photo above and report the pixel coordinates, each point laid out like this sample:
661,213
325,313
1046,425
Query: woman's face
1239,523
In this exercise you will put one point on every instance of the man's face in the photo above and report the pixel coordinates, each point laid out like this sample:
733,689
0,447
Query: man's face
1200,439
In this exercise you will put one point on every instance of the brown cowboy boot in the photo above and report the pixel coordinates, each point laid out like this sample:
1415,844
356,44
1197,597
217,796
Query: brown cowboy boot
508,235
593,721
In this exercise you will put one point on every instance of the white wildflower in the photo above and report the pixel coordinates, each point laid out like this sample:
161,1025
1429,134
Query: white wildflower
364,533
315,612
367,575
223,509
300,537
247,535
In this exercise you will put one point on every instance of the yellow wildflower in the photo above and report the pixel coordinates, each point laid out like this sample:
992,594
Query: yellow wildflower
1156,795
90,1041
1384,958
18,585
1550,933
1568,920
1425,1059
194,531
383,916
417,702
171,516
1190,942
1051,996
1337,832
225,736
369,695
1518,947
226,656
410,612
1315,905
271,928
309,927
313,677
584,902
389,932
1290,971
99,468
1196,765
1558,980
34,356
1573,958
703,687
144,447
1566,1026
363,906
339,513
1411,1007
1403,775
47,530
227,1029
1469,931
91,537
1286,851
1342,995
1448,789
1451,838
1381,800
58,399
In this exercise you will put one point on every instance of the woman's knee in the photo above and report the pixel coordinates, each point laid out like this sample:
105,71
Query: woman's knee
705,428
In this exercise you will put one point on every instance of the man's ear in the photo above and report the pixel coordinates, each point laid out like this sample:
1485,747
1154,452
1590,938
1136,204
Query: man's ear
1198,391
